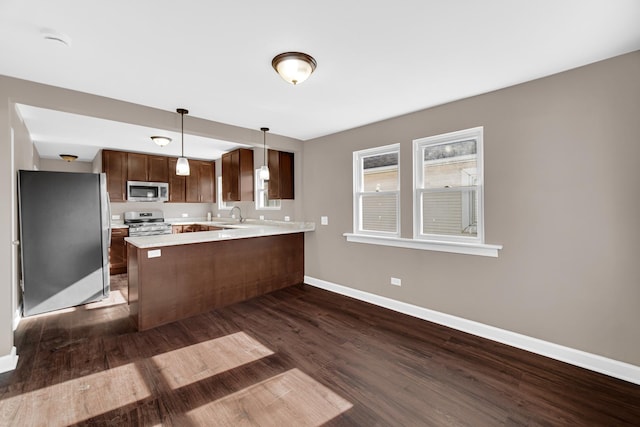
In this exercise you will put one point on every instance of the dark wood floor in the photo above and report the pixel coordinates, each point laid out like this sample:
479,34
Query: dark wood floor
296,357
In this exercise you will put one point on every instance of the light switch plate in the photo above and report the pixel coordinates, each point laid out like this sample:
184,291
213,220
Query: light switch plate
115,216
324,220
396,282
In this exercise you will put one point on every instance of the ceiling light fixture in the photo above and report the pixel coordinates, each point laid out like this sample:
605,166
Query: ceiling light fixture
68,157
264,170
161,140
182,166
294,67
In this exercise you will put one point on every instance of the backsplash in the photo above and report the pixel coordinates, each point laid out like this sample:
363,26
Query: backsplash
170,210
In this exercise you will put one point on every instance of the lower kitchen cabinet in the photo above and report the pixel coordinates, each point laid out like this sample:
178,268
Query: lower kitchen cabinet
118,251
191,228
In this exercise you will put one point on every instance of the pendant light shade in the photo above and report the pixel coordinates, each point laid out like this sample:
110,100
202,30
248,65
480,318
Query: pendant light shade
294,67
264,170
161,140
182,166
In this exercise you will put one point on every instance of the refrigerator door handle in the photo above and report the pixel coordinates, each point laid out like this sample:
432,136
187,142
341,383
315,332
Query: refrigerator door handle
109,217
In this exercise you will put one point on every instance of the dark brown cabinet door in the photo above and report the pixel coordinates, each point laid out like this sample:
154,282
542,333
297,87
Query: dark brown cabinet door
177,184
118,251
200,184
137,167
114,164
193,183
158,169
230,168
207,183
237,175
281,175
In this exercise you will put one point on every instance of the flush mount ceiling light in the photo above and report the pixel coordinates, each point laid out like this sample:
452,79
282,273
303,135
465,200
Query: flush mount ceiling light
294,67
161,140
182,166
68,157
264,170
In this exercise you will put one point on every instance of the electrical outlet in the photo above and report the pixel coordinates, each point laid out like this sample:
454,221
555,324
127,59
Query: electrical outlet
286,218
324,220
396,282
115,216
185,215
261,217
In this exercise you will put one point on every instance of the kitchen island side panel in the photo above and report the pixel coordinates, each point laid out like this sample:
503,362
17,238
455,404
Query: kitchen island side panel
184,280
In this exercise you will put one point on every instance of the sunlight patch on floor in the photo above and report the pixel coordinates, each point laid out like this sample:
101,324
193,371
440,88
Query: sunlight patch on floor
78,399
115,297
288,399
197,362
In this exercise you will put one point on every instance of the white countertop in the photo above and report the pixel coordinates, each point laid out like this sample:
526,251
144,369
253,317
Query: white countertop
251,228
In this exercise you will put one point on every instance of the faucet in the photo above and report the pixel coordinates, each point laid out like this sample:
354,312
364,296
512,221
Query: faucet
239,213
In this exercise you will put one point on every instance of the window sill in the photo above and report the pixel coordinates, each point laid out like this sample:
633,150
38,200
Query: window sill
427,245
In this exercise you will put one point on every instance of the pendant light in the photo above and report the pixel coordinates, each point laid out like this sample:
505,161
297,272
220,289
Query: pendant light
182,166
294,67
264,170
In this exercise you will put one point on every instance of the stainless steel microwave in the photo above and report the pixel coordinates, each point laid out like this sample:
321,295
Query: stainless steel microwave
138,191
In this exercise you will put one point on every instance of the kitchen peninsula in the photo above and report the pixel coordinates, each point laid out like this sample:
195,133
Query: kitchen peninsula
175,276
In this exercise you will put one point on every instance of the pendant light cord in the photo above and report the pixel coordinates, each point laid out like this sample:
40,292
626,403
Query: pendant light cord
182,132
264,144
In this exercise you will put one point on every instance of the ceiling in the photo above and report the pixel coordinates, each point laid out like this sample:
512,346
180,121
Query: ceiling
376,60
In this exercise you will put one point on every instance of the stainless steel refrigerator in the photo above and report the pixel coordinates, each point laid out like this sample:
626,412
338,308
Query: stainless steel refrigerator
64,239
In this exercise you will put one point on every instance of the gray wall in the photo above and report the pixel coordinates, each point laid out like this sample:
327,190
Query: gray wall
63,166
562,194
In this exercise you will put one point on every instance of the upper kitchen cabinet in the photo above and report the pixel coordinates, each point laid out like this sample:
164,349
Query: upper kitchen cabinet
177,183
114,164
158,169
280,175
137,165
237,175
200,183
144,167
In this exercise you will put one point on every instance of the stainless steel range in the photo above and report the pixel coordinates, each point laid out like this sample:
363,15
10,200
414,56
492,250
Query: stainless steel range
147,223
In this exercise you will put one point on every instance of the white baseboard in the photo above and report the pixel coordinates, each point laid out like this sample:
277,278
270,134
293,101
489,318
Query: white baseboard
593,362
9,361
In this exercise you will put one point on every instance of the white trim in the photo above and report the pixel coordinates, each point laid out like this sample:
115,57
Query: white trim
9,361
259,188
477,134
17,316
427,245
222,205
358,159
611,367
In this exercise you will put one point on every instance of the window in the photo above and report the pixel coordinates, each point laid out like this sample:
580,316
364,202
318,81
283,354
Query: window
376,195
222,205
262,195
448,187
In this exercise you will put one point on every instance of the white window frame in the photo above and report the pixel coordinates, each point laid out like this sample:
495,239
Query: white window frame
418,185
259,188
358,192
222,205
